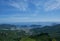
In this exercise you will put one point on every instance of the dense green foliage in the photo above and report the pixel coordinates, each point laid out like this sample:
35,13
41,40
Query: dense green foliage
46,33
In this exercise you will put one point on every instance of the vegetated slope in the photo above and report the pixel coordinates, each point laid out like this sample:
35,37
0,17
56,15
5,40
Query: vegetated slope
6,26
54,31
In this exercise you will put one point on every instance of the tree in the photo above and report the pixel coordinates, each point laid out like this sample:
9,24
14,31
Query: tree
41,37
53,39
27,39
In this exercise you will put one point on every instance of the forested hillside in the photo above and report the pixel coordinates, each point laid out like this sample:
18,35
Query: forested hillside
10,32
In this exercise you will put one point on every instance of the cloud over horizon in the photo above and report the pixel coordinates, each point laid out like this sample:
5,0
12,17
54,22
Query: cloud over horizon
29,10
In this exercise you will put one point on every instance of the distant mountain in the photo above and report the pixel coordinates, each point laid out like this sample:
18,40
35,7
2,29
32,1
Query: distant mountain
7,26
27,25
36,23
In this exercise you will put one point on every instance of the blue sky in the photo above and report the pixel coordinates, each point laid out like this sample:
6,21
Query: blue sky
29,11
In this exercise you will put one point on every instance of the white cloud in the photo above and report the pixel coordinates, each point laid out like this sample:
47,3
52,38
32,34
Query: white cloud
28,19
24,5
14,19
52,5
21,5
37,3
